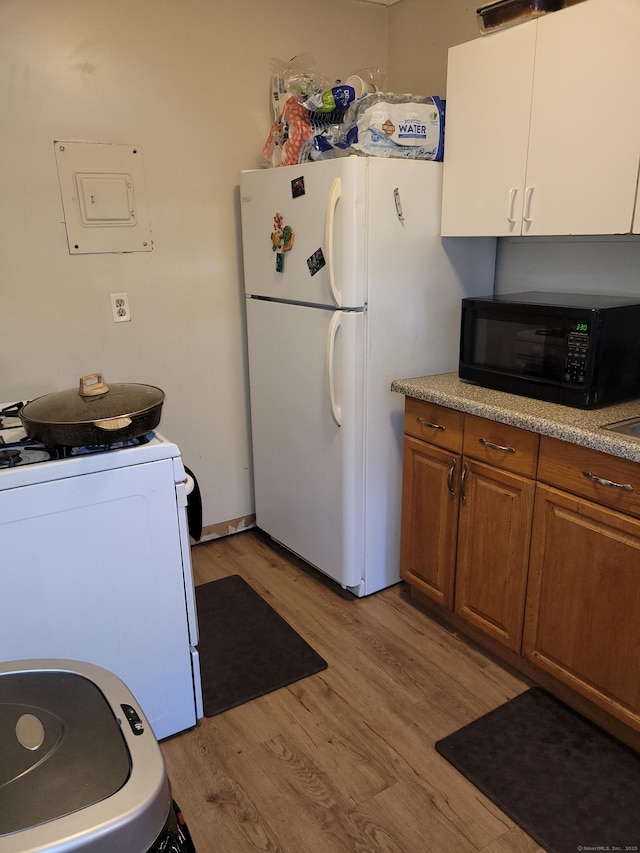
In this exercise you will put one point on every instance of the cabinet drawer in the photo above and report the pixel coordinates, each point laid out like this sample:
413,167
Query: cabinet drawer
502,445
597,476
433,423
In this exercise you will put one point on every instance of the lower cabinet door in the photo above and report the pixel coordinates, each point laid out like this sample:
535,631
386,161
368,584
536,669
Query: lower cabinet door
496,509
429,519
583,607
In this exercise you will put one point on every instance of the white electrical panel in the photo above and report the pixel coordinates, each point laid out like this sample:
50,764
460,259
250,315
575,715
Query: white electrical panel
103,197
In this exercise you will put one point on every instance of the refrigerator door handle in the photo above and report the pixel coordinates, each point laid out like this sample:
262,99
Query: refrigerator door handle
334,325
334,194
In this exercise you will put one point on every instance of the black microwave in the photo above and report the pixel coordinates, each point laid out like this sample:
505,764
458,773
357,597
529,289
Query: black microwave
580,350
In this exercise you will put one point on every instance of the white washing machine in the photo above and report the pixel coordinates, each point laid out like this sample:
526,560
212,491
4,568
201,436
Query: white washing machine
80,767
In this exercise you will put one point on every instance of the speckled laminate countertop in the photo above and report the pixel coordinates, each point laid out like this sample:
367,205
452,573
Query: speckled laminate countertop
578,426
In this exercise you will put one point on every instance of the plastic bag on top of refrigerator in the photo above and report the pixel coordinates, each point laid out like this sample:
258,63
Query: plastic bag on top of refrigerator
391,125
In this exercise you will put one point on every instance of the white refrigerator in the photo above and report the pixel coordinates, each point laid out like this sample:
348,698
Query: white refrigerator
348,286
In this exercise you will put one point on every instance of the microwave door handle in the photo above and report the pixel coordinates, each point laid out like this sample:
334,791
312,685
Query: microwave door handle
334,195
334,408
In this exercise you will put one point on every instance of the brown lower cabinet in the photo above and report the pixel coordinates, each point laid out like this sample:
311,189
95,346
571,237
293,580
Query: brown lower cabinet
493,548
534,544
583,603
466,516
429,527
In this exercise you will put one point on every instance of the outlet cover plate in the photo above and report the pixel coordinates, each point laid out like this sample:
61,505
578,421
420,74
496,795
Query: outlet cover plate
120,308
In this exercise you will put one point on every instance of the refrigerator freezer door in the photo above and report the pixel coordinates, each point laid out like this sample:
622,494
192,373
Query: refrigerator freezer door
303,230
305,368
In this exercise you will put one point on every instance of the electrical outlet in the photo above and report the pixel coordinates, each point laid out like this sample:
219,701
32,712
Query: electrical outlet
120,308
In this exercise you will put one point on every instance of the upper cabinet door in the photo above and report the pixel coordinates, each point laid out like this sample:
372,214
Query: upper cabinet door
489,85
572,127
584,140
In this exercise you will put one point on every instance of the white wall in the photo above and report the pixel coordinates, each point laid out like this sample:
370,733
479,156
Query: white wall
188,82
420,34
606,264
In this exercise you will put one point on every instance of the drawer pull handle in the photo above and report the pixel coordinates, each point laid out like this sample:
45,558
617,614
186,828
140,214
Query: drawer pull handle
429,424
452,473
602,482
493,446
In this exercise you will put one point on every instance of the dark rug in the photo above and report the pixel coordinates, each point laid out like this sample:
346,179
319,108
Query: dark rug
246,648
566,782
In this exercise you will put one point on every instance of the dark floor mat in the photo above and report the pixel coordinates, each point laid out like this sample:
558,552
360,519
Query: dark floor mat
566,782
246,648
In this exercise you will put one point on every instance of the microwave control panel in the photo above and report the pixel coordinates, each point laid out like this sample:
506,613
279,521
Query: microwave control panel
575,366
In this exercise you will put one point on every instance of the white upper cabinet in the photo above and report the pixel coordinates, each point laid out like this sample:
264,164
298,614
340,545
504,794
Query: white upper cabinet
542,126
489,84
584,140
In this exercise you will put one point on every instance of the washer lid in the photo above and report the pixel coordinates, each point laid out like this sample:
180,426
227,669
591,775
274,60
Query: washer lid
61,748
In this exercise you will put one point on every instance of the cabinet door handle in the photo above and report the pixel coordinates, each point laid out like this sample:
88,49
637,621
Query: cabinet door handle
602,482
450,478
463,477
493,446
527,205
429,424
513,192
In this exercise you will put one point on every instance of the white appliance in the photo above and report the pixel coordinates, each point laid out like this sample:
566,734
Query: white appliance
348,287
96,567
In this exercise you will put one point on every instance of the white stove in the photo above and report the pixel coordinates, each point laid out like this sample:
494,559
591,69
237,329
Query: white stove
20,457
96,565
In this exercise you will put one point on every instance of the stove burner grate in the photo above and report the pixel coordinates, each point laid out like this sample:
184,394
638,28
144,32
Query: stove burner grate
10,417
66,452
9,458
28,451
25,452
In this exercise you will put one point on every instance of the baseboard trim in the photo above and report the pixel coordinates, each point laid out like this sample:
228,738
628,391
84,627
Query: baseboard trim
226,528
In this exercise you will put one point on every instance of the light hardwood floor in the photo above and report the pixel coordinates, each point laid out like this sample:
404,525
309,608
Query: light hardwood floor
344,760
